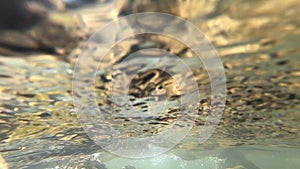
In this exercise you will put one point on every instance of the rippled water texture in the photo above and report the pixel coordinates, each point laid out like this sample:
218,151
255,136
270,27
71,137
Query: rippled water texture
259,44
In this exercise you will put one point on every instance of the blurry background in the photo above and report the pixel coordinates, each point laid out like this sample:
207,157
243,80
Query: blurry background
258,42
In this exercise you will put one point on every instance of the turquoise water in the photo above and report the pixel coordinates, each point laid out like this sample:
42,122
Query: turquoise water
259,157
240,157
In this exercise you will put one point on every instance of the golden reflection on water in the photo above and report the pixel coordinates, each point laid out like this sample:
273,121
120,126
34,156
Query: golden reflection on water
258,42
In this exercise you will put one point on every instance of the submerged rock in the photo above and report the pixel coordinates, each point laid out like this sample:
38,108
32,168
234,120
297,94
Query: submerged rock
3,163
38,26
84,162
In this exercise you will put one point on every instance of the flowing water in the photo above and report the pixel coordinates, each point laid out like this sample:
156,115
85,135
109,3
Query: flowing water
258,43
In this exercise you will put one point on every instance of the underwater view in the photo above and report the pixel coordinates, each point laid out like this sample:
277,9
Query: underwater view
149,84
